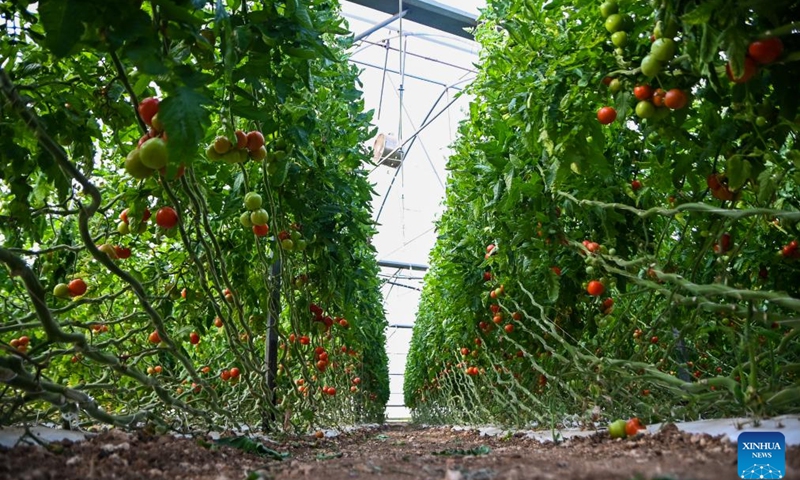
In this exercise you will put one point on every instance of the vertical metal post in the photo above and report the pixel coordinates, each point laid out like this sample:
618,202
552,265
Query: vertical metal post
271,347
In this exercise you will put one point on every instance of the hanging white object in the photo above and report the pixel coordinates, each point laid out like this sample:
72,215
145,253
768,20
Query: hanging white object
387,151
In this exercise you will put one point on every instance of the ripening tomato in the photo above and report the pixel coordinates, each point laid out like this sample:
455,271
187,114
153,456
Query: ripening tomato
595,288
643,92
154,337
509,328
765,51
606,115
658,97
556,270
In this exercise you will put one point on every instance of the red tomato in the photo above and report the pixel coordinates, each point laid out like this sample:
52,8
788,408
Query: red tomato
675,99
633,426
556,270
225,375
194,338
166,217
636,185
122,252
606,115
24,340
595,288
77,287
509,328
260,230
234,372
765,51
304,340
147,108
154,337
643,92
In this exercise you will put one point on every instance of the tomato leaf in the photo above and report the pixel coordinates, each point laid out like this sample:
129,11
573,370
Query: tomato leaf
62,28
701,14
738,171
185,121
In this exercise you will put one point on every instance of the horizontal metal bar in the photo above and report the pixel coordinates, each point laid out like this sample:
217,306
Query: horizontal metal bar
401,326
379,25
410,75
417,55
402,265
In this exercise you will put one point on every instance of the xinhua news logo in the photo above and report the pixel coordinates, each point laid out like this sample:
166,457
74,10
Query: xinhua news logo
762,455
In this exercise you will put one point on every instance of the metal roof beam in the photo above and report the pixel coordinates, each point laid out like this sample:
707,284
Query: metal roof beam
402,265
429,13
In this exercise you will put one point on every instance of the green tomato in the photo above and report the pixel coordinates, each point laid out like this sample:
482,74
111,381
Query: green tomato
761,121
296,236
300,245
651,66
153,153
663,49
259,217
212,154
608,8
123,228
645,109
614,23
287,244
619,39
252,201
617,429
61,290
135,167
615,85
244,219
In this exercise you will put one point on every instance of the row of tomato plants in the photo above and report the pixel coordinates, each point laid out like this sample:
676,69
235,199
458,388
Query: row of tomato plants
179,181
621,228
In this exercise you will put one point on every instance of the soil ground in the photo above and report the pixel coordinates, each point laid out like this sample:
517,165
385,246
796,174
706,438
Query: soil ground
388,452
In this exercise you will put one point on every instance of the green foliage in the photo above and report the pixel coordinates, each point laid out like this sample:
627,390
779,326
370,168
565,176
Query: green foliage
696,318
73,75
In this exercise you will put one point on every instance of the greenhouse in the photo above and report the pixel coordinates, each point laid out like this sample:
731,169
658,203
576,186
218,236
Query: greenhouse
459,239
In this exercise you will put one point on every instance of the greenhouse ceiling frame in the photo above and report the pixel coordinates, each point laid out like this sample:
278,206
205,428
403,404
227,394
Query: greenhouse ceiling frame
425,12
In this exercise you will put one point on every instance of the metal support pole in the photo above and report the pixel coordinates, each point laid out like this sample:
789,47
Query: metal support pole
380,25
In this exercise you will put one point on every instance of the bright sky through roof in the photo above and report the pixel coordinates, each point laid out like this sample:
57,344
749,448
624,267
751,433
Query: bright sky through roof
410,199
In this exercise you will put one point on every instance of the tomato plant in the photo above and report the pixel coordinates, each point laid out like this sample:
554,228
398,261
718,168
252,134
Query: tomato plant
545,170
243,108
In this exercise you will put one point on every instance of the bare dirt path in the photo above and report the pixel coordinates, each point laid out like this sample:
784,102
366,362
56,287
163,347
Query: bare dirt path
389,452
